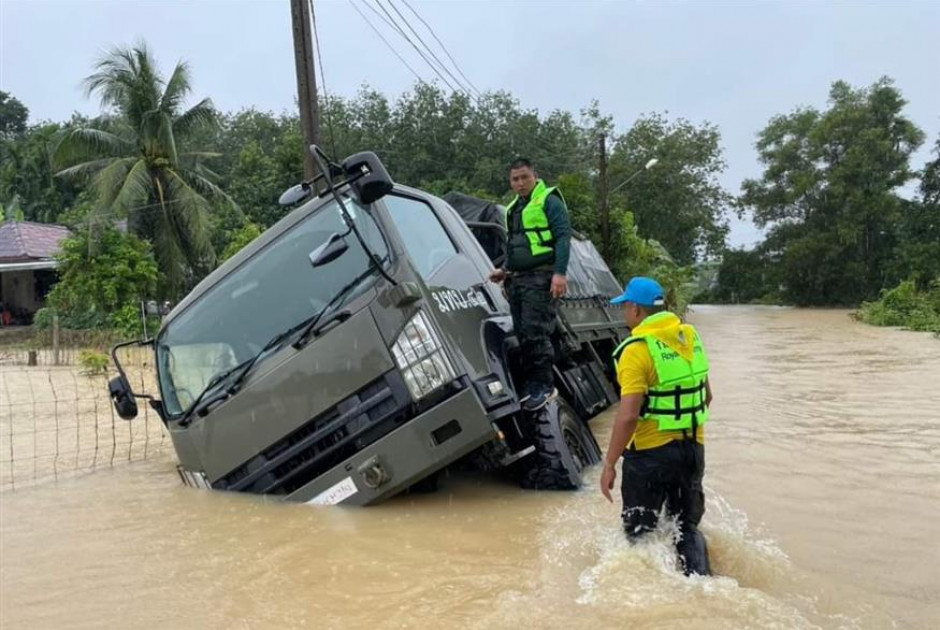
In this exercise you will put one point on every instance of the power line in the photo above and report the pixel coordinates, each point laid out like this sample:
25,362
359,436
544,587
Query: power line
326,94
443,47
390,47
428,48
390,21
387,18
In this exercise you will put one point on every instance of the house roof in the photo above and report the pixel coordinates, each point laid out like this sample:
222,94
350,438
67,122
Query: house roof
25,240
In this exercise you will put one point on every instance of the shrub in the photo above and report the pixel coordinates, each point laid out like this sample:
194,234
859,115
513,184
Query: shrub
93,362
906,307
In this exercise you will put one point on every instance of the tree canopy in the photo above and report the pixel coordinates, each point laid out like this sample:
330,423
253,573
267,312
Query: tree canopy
830,194
140,164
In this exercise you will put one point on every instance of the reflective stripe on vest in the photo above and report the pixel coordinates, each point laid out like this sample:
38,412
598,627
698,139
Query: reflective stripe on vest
678,400
534,219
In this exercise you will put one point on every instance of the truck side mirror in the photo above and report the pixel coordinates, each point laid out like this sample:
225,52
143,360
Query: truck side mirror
295,193
370,180
333,248
123,397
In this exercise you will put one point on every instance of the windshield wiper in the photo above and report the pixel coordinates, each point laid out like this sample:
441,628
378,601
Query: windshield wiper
213,383
310,327
273,343
242,368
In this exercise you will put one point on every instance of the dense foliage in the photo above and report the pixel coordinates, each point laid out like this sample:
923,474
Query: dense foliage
834,197
141,164
839,229
146,160
905,306
830,196
103,278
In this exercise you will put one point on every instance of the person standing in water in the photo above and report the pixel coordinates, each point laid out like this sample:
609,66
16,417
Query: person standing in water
662,370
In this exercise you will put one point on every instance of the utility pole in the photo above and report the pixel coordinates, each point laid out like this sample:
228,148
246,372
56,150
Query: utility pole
306,80
602,196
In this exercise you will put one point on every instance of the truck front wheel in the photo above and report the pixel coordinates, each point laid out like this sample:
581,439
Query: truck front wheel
564,447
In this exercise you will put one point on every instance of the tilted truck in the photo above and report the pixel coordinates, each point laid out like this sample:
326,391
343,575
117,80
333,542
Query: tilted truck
356,348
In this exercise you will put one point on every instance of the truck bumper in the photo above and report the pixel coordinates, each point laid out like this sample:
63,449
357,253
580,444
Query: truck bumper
408,454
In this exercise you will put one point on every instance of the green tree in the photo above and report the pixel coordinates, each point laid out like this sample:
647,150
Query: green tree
99,276
679,201
829,192
918,254
140,164
27,174
260,155
630,253
744,276
12,210
13,115
239,238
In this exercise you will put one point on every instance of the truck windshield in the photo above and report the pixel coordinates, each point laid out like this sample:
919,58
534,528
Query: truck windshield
272,291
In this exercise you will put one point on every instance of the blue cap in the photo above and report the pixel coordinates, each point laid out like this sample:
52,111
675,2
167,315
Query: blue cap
643,292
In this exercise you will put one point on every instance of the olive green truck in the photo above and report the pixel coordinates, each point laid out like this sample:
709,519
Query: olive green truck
356,349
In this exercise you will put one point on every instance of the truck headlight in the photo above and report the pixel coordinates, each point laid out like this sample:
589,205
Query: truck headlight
421,358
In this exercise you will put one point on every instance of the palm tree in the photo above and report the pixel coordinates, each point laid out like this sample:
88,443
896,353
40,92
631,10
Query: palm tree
137,164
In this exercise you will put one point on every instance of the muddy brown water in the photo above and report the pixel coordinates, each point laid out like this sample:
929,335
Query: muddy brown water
823,484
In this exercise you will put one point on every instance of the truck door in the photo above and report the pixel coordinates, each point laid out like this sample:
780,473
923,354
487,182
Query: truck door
453,283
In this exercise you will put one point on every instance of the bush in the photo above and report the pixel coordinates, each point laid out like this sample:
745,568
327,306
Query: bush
101,281
93,362
128,322
78,320
906,307
42,320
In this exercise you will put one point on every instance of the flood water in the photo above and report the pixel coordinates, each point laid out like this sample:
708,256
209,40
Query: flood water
823,485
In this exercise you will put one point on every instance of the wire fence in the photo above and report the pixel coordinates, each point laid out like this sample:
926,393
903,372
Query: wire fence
65,348
32,347
42,357
58,422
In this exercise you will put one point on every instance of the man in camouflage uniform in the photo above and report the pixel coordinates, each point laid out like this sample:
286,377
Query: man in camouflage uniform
539,244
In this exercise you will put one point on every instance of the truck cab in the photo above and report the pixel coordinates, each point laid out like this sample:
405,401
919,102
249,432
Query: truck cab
357,348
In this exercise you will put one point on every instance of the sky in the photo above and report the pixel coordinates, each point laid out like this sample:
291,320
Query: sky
733,64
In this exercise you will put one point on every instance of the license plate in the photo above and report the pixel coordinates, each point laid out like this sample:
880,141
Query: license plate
336,494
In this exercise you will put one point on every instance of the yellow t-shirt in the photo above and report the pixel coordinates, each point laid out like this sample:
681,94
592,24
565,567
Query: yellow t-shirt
636,374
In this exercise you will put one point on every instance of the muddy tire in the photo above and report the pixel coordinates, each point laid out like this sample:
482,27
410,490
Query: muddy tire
564,447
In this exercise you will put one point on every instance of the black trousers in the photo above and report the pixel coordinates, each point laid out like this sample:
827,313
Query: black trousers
533,317
672,475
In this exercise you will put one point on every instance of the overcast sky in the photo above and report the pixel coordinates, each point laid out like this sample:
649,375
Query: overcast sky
734,64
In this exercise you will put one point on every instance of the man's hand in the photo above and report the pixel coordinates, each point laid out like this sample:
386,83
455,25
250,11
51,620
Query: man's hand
608,476
559,286
620,435
497,275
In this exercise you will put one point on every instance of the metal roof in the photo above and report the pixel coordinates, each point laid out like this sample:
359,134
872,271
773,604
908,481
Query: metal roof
23,241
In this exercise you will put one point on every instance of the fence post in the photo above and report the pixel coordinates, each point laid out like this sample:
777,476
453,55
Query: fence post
55,339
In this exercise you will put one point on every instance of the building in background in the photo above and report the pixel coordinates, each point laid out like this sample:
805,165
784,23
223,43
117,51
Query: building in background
27,267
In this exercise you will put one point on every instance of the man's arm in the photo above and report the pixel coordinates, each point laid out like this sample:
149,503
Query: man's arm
560,225
622,432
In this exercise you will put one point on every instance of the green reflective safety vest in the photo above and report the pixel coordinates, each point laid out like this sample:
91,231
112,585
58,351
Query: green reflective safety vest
678,401
534,219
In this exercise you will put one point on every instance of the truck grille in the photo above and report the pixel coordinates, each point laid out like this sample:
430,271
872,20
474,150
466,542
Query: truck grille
324,441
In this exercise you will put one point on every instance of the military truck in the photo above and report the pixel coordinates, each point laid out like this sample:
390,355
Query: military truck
356,348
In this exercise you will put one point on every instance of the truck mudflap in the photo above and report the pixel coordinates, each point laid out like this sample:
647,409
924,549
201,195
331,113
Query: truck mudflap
417,449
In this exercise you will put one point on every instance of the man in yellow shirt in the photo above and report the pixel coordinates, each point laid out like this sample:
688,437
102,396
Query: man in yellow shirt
662,369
